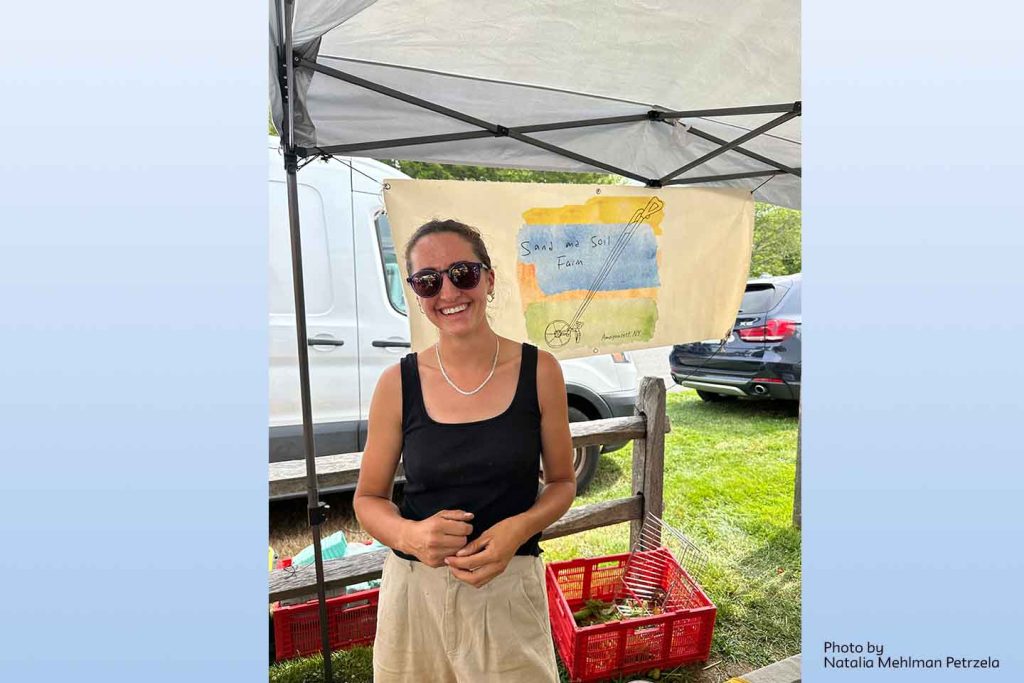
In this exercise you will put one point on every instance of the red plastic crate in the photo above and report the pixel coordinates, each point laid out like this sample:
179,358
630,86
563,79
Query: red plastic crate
615,648
351,621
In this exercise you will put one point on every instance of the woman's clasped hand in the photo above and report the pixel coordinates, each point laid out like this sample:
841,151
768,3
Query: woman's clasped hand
440,540
486,557
438,537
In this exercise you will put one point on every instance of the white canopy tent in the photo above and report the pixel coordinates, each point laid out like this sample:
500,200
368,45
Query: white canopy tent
665,92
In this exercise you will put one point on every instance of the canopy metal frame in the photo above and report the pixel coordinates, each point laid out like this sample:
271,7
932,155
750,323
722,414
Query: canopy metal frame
787,111
316,510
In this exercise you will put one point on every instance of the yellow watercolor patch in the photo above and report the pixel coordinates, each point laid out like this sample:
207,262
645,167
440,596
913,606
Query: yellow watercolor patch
595,210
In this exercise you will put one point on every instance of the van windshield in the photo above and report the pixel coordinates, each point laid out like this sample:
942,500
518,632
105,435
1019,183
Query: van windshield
389,261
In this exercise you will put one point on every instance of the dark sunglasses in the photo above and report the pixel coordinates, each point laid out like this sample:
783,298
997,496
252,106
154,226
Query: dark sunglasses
427,283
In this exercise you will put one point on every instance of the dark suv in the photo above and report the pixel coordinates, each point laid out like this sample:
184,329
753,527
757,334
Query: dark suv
760,359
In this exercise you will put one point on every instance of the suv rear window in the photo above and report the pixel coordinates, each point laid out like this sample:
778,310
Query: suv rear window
760,298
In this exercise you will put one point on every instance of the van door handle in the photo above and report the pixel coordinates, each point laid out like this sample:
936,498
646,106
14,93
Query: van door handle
325,342
387,344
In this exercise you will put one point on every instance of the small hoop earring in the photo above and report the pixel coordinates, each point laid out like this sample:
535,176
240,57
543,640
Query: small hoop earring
490,297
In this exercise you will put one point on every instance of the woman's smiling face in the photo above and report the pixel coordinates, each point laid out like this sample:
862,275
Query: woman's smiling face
453,311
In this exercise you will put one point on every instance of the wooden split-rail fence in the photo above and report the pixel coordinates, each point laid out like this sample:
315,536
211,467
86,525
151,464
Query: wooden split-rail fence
646,428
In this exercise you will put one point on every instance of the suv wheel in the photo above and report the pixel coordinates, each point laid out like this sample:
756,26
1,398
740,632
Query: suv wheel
712,397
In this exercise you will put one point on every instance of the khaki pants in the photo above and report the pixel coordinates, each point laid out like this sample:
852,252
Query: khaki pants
433,628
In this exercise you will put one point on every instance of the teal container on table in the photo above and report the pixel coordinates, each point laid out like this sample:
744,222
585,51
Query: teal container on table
332,548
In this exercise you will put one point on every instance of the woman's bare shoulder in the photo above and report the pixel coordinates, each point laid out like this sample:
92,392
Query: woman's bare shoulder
547,364
391,378
387,397
549,375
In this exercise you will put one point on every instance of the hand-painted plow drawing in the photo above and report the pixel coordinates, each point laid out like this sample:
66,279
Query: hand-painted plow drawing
600,259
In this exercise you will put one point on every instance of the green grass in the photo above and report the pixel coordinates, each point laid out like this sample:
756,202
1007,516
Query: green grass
350,666
729,471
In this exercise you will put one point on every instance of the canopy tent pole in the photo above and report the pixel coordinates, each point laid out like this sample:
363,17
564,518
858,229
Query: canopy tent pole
788,112
561,151
356,147
778,121
398,95
727,176
663,116
315,509
312,64
745,152
658,114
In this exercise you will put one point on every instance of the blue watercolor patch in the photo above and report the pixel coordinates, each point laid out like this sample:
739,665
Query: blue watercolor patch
572,256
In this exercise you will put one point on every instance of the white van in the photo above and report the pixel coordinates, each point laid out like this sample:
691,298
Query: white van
357,323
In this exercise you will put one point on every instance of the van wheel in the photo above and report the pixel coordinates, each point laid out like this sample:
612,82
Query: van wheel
712,397
584,459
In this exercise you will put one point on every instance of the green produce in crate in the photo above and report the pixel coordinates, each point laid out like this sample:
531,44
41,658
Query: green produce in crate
596,612
600,612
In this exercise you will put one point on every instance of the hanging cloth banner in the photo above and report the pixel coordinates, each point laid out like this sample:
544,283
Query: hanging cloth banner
589,269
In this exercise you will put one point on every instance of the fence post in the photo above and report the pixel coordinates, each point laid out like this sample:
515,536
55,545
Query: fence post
649,454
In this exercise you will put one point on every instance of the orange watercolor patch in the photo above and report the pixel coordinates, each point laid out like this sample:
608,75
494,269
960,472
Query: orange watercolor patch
526,273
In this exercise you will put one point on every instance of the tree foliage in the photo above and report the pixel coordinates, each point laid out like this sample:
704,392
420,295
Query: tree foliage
776,249
422,170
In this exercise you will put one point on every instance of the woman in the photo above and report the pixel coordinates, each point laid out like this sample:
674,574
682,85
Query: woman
462,597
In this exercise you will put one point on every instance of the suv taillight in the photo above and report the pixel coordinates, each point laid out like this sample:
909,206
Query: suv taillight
774,330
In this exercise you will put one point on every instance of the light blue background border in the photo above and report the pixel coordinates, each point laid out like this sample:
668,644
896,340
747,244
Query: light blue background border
134,303
133,397
913,475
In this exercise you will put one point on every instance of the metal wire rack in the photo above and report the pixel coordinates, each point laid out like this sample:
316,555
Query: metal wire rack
652,582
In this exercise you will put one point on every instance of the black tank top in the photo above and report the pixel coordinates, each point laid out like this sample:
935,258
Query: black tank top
488,467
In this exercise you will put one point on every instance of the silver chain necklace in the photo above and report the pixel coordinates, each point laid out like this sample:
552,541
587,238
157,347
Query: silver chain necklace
494,364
